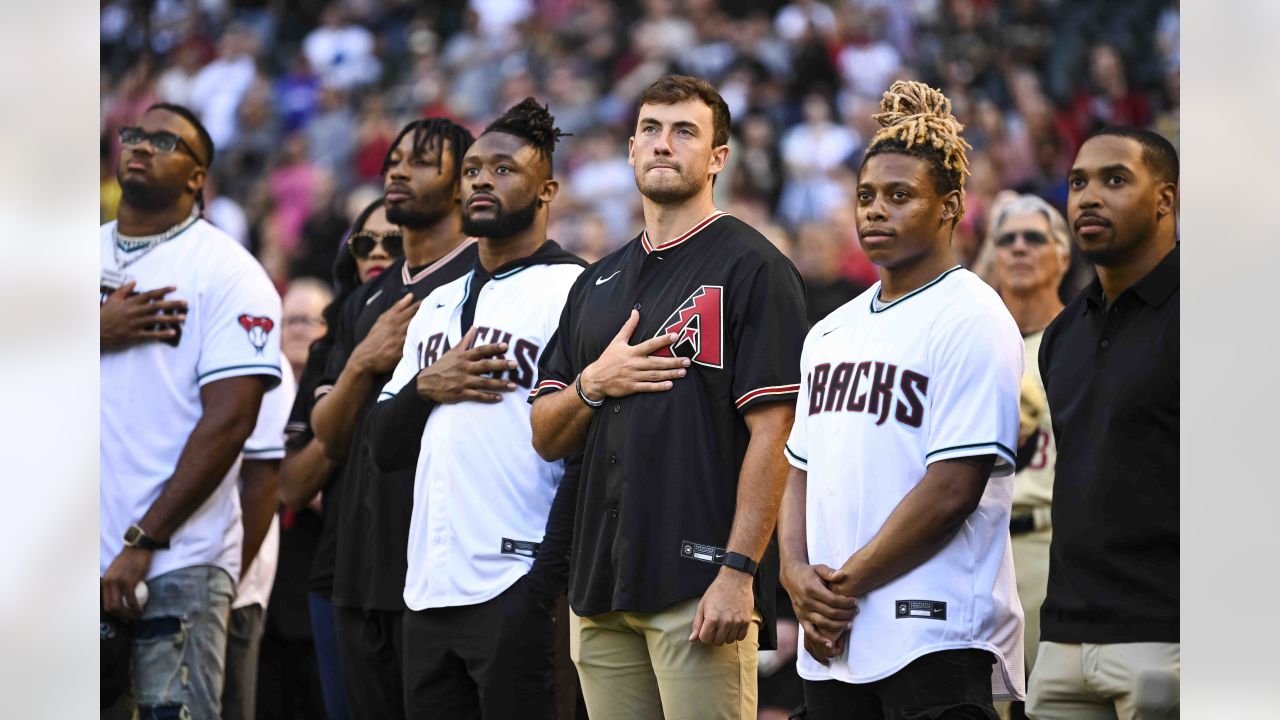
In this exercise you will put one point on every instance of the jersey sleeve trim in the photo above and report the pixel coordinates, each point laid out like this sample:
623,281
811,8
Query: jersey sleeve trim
547,386
1004,456
271,453
770,392
296,427
794,459
272,371
384,395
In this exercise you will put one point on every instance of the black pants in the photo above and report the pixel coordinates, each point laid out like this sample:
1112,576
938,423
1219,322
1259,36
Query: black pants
371,653
495,660
945,685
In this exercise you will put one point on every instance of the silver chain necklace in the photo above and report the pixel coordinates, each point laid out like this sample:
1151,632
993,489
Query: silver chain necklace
145,243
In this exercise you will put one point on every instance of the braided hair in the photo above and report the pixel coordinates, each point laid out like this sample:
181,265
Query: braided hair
532,122
435,129
916,120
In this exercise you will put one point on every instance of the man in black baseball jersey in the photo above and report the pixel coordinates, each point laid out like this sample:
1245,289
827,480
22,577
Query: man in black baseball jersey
421,174
675,370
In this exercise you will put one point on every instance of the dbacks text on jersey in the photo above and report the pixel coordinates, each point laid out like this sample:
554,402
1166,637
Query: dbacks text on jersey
830,388
699,325
524,352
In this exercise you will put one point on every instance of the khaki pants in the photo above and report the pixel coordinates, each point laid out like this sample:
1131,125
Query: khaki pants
1031,564
636,666
1124,681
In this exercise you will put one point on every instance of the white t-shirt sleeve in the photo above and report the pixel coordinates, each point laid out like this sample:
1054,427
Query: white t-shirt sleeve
973,394
267,440
240,326
797,447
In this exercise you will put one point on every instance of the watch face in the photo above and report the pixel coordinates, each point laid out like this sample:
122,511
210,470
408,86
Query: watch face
132,535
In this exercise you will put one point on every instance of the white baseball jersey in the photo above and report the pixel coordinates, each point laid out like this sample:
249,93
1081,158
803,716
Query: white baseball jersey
150,393
888,389
482,494
266,443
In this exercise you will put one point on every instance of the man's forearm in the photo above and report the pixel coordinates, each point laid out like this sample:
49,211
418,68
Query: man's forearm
303,473
258,502
762,480
560,422
792,528
922,523
333,419
230,412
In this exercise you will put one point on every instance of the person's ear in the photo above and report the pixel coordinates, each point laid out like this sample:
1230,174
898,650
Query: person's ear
1167,199
550,188
952,206
719,158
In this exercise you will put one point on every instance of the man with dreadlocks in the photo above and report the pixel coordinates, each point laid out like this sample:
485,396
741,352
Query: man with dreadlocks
902,454
182,381
421,173
482,576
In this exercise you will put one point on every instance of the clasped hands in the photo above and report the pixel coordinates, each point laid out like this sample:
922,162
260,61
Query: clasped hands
825,604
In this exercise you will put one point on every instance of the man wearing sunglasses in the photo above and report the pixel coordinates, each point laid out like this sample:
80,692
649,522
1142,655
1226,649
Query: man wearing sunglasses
421,182
182,382
1031,248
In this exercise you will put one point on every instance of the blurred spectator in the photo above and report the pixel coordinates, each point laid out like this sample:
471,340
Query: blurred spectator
218,88
819,249
331,135
1109,99
801,18
321,232
341,51
605,183
811,152
297,94
758,174
224,212
373,137
868,63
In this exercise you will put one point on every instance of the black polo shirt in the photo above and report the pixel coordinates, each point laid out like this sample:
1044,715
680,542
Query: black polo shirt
374,508
298,434
1111,376
659,481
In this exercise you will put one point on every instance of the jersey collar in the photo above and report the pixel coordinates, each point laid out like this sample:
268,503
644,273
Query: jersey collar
650,248
877,306
424,272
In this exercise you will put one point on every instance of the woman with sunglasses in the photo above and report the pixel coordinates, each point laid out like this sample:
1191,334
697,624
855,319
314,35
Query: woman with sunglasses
372,246
1030,250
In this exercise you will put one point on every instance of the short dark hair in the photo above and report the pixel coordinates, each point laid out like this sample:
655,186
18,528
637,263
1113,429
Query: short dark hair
425,130
205,139
1157,152
674,89
532,122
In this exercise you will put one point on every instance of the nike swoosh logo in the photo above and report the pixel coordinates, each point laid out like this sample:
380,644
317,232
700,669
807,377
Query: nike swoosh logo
603,280
439,305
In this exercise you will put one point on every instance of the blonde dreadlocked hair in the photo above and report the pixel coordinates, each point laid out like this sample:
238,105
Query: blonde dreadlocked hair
916,120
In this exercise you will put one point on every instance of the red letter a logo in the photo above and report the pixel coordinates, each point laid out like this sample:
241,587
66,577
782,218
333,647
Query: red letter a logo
699,327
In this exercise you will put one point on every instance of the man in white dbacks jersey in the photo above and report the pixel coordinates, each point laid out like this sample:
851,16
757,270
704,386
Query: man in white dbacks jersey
179,397
482,577
894,527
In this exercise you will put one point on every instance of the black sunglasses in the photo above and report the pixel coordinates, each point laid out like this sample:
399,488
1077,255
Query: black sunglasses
361,244
1033,237
162,140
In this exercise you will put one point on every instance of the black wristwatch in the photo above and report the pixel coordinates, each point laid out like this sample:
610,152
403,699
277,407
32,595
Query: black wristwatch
136,537
740,562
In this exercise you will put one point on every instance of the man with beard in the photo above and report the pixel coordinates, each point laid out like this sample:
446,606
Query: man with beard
1109,644
421,173
182,381
483,576
682,432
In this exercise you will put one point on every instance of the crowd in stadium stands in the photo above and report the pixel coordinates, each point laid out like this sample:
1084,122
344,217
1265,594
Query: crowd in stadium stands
303,99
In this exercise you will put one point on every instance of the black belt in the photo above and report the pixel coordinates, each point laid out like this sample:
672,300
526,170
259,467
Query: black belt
1021,523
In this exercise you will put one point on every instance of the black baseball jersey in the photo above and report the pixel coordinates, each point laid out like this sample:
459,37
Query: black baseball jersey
374,507
659,481
297,434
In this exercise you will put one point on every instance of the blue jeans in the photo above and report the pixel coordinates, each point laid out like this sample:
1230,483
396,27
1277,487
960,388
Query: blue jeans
324,633
180,645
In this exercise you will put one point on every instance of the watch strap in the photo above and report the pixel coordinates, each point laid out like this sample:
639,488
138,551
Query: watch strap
740,562
142,540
